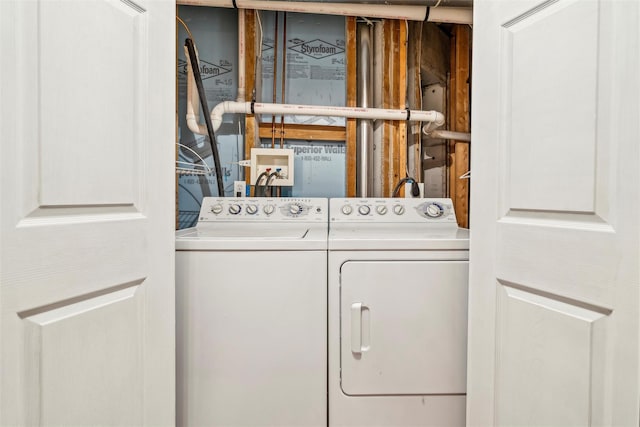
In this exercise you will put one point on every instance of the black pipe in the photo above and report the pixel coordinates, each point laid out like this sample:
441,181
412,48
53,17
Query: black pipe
207,118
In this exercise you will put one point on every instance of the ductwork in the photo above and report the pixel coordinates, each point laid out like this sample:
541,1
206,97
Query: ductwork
364,129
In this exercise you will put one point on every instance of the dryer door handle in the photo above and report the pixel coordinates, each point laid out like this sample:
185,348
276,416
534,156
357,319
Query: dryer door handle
356,328
359,328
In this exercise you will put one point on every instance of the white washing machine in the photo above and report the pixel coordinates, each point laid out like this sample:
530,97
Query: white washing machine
251,315
397,313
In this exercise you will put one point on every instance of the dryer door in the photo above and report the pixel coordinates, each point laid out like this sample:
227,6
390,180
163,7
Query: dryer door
404,327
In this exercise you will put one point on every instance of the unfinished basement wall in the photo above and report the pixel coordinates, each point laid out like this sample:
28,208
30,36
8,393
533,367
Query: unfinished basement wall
446,76
214,32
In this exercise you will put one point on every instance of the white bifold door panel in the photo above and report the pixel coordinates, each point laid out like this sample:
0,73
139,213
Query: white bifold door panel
408,336
87,187
554,261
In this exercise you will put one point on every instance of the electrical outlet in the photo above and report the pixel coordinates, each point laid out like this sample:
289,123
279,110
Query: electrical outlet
239,189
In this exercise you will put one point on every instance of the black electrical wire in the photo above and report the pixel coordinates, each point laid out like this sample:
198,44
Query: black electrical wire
415,188
257,184
269,178
205,107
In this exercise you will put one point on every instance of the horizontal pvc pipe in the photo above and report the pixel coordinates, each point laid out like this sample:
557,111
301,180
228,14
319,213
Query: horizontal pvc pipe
439,3
450,15
411,13
447,134
436,118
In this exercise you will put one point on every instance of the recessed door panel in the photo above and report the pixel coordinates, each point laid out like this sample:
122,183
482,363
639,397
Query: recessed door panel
553,312
86,220
86,351
403,327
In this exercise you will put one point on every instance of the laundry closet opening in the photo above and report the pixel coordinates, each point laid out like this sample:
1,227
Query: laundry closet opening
252,58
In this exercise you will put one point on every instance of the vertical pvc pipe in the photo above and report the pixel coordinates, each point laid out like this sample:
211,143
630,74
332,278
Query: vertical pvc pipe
241,56
283,74
364,140
275,81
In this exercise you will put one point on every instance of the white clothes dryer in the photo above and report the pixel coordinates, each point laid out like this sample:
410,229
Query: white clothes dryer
398,281
251,319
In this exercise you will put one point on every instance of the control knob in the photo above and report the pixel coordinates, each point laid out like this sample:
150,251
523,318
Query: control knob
235,209
216,209
347,209
398,209
382,210
252,209
364,210
295,209
268,209
434,210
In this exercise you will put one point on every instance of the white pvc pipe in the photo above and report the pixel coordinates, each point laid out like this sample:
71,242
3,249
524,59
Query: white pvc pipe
193,108
447,134
241,55
451,15
434,117
412,13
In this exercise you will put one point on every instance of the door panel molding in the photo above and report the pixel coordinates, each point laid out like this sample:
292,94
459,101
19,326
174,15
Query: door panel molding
540,252
81,81
79,215
114,291
575,220
87,220
547,344
88,350
549,99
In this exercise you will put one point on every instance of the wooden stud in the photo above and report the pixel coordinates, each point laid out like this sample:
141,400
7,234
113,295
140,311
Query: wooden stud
460,121
414,93
305,132
250,124
394,84
400,165
350,138
387,99
394,150
451,119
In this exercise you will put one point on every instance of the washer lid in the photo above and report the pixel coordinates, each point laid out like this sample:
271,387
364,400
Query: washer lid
396,237
253,236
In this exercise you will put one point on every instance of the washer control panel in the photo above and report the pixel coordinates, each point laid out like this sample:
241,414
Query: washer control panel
260,209
387,210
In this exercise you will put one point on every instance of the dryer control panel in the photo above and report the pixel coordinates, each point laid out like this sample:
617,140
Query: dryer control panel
388,210
261,209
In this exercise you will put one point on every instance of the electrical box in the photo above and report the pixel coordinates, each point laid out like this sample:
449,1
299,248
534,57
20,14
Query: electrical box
275,160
